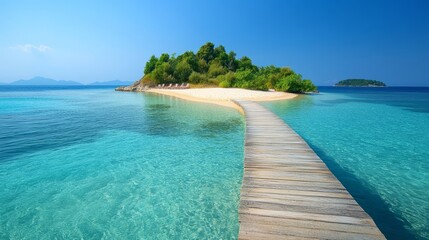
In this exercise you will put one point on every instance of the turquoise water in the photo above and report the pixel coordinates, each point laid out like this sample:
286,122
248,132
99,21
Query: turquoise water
91,163
376,142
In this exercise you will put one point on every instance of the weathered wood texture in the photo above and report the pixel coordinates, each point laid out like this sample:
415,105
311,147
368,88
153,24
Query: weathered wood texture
288,192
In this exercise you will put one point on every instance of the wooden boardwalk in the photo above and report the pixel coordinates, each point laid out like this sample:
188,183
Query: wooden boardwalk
288,192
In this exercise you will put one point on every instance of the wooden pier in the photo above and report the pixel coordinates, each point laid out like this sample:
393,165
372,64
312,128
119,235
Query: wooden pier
288,192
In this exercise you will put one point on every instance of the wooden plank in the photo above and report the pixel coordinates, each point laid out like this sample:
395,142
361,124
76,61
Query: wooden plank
305,224
296,206
270,236
305,232
288,192
307,216
291,197
300,192
293,186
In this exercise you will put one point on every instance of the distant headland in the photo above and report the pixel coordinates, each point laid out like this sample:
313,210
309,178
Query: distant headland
42,81
360,83
215,67
45,81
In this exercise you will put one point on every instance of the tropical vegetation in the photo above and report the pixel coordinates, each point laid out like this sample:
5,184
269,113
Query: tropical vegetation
214,66
360,83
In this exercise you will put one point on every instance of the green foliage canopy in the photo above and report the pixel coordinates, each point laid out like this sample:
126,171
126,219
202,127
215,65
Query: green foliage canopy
360,83
214,66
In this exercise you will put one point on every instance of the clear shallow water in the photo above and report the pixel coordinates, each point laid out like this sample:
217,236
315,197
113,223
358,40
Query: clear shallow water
97,164
375,140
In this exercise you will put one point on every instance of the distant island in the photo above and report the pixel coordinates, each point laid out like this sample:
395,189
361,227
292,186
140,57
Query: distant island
214,67
359,83
42,81
45,81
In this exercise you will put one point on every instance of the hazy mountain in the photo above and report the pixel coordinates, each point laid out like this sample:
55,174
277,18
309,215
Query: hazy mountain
112,83
44,81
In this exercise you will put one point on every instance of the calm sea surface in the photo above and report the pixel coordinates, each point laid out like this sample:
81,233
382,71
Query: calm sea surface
376,142
92,163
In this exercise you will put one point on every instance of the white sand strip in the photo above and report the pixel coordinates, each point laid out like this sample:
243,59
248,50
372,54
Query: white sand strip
223,96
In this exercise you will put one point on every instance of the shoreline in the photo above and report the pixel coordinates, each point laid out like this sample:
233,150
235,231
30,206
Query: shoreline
223,96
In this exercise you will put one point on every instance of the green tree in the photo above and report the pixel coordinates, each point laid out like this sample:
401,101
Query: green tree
289,83
271,74
202,66
219,50
164,58
182,71
196,77
206,52
190,58
295,84
213,65
221,56
245,63
163,73
243,78
150,65
216,69
227,80
308,86
232,63
260,83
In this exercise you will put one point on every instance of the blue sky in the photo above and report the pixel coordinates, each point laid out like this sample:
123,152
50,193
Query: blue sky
325,41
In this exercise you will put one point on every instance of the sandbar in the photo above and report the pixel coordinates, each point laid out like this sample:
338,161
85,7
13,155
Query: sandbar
223,96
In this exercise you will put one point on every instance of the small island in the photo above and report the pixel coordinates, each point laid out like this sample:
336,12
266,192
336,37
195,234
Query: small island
213,66
359,83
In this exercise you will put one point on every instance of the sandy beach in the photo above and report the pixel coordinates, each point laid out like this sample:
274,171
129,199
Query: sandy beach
223,96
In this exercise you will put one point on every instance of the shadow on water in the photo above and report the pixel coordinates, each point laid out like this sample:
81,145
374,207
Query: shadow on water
373,204
215,128
169,117
41,129
158,107
35,131
159,120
